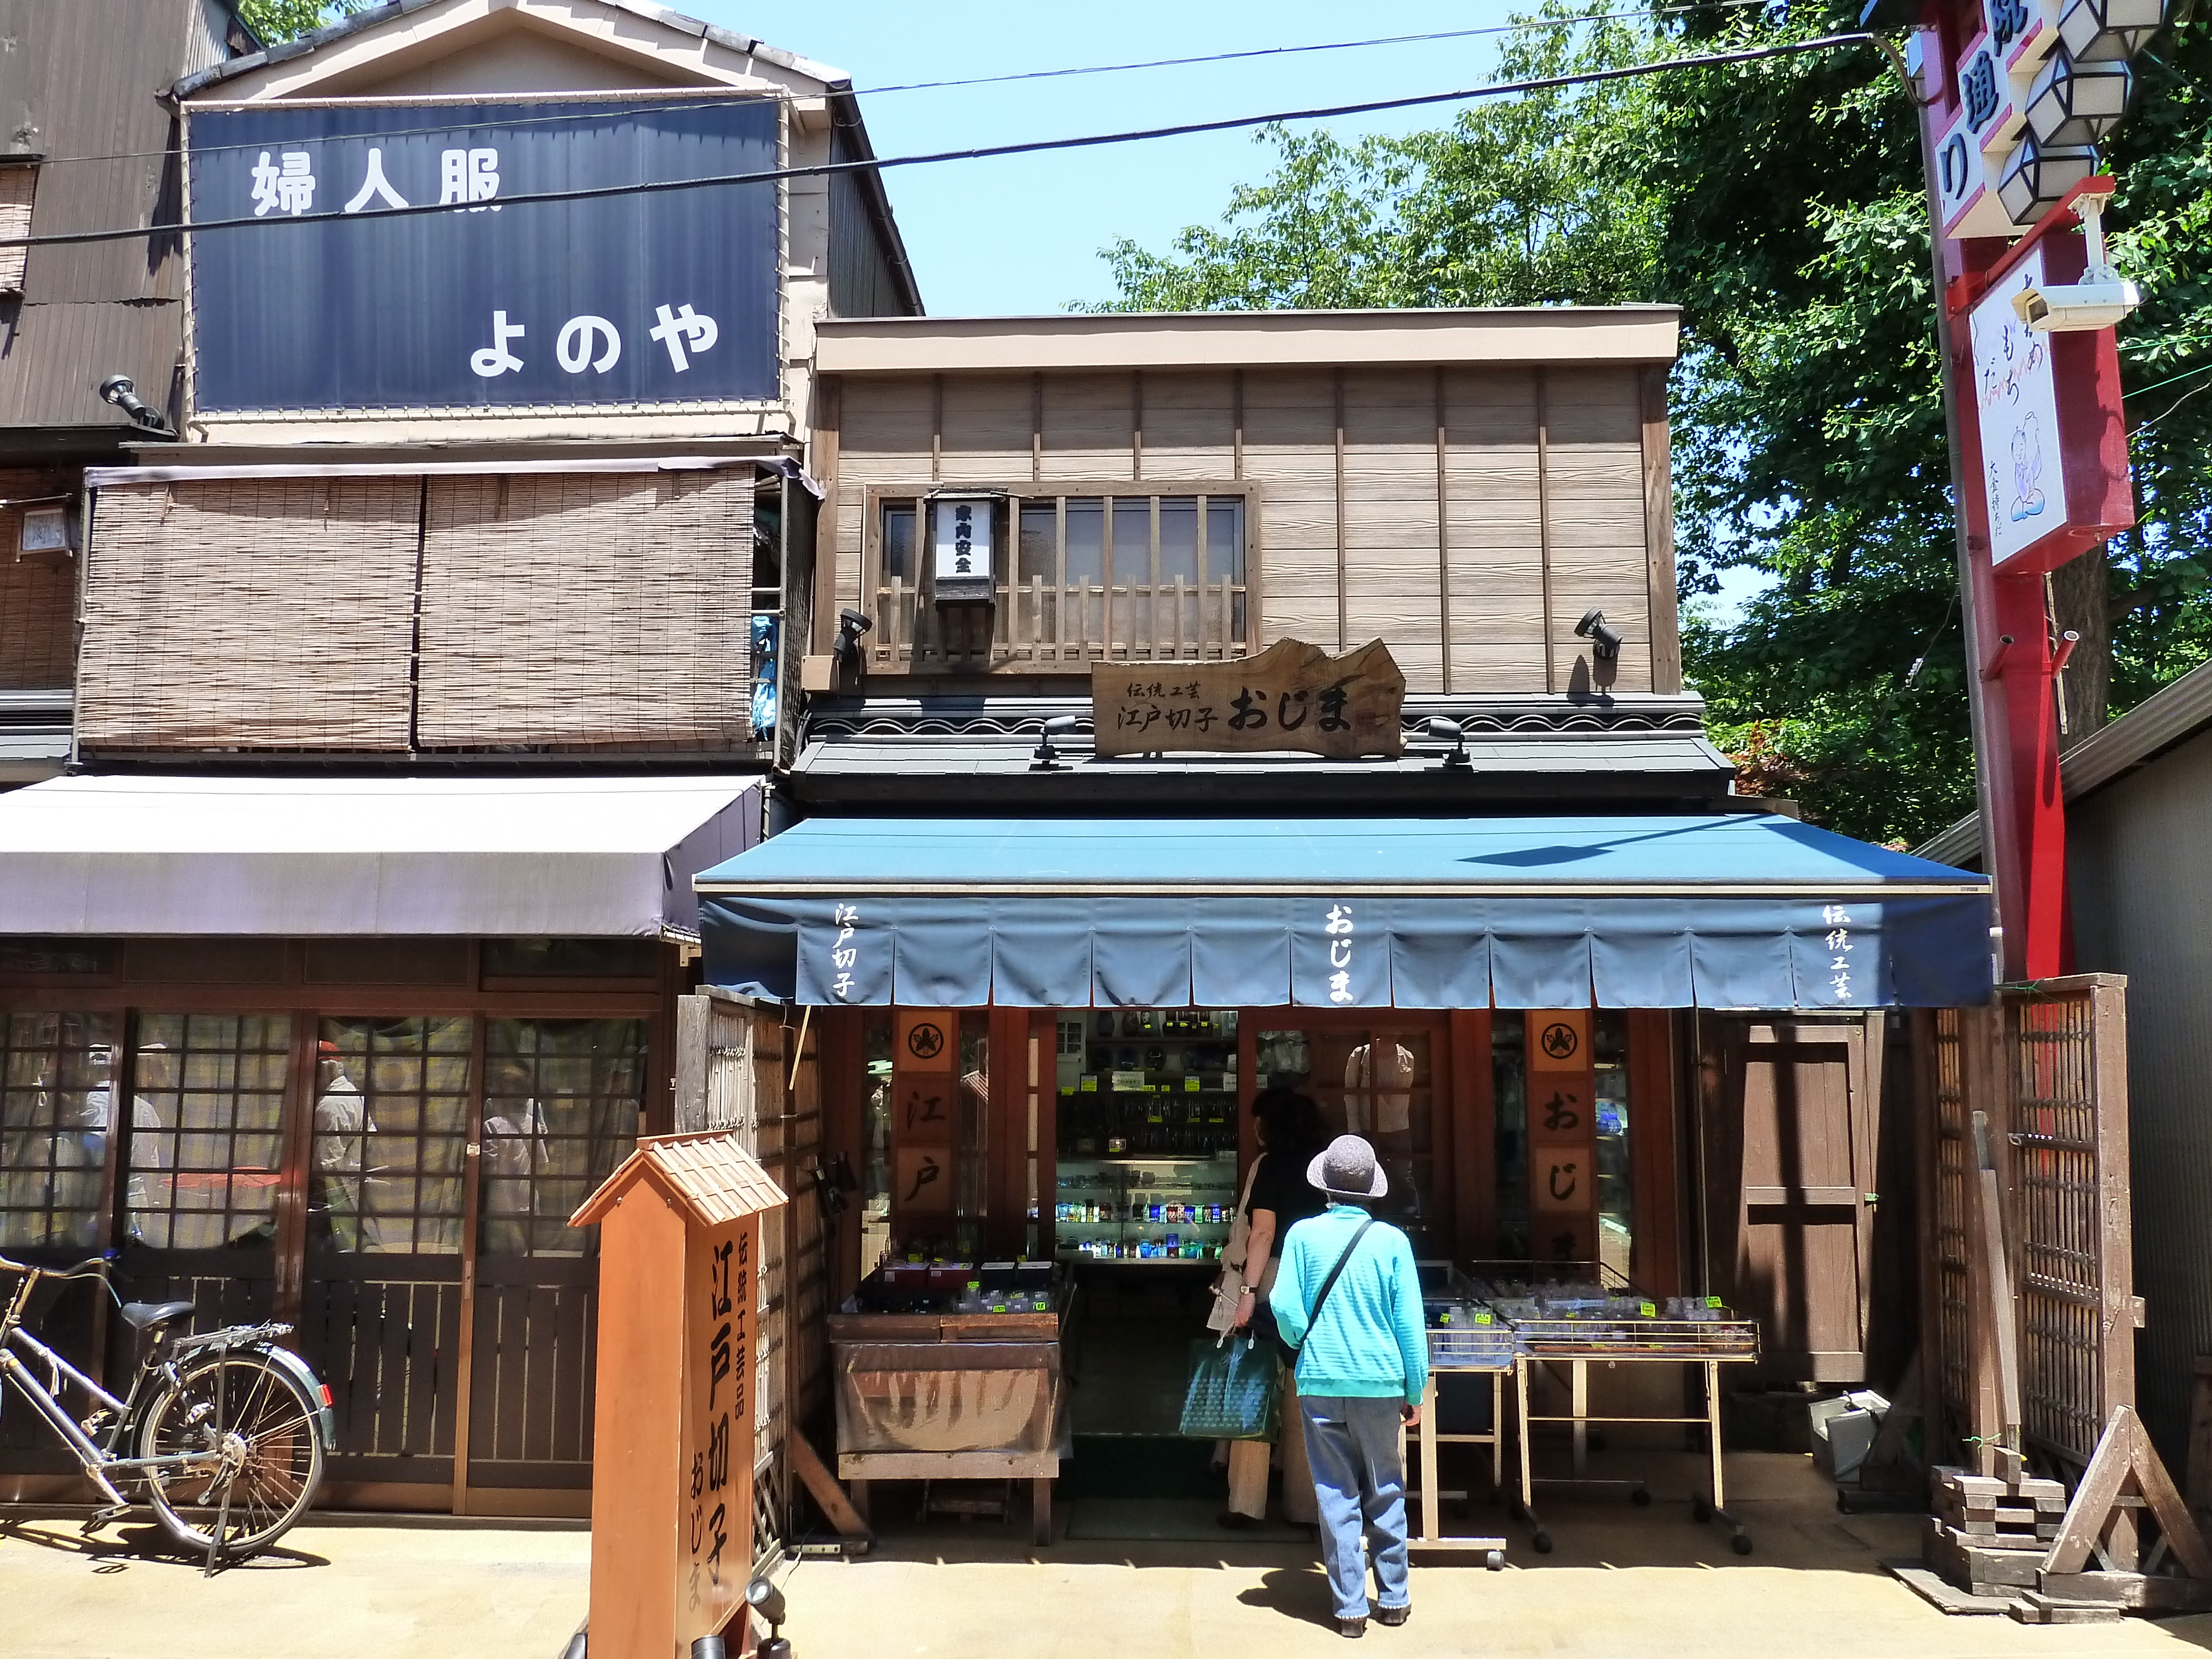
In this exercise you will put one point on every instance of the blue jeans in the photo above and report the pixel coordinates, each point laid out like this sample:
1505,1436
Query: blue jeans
1360,1483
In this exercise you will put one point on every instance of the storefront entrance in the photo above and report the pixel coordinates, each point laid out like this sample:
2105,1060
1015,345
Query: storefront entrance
395,1184
1116,1144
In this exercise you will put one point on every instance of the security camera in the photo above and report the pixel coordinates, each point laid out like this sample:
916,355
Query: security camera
2075,307
2102,297
1604,637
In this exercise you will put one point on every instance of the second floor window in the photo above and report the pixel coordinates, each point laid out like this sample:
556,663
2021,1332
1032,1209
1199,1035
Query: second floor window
1076,580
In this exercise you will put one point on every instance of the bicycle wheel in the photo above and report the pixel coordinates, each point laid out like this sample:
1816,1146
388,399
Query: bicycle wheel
256,1421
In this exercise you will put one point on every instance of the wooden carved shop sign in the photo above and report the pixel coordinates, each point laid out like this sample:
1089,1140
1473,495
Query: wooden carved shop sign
1291,695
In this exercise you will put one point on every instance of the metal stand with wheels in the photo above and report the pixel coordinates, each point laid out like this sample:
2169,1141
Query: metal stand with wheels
1431,1534
1576,1354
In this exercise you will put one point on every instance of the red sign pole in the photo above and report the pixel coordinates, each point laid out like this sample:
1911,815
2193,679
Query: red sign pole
2053,400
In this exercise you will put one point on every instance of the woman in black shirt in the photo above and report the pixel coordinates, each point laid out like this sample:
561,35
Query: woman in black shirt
1290,1131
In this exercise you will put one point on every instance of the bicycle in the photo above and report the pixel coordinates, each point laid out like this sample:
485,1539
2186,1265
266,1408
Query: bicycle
228,1431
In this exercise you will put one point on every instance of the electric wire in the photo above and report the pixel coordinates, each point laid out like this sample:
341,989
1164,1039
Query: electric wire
826,169
766,94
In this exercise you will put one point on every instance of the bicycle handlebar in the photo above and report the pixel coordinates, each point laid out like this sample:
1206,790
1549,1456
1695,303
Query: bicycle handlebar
96,1265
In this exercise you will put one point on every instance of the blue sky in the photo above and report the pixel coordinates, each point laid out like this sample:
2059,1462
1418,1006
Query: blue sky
1021,235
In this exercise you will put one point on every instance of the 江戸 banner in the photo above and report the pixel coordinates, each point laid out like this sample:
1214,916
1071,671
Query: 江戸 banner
311,291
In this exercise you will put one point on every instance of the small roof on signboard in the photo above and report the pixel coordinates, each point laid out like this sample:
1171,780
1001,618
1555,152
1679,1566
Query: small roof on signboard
706,1171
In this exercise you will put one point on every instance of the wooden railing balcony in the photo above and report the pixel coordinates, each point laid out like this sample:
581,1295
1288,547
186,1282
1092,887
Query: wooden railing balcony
1077,579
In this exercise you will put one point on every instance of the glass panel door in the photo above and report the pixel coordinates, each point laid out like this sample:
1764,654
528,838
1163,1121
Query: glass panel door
381,1317
1379,1082
560,1104
204,1161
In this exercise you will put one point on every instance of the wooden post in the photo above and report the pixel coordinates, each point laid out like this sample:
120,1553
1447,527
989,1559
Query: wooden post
1984,1426
672,1496
694,1029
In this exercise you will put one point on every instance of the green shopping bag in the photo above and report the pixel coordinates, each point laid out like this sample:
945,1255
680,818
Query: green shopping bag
1236,1390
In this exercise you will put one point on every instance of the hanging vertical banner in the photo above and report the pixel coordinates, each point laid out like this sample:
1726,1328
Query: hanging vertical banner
304,298
1562,1104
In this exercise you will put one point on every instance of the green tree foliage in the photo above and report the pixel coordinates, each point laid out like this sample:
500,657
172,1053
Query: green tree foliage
1780,204
273,20
1523,201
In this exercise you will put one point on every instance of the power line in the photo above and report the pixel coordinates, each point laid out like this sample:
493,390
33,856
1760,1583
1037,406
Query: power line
769,94
1518,27
826,169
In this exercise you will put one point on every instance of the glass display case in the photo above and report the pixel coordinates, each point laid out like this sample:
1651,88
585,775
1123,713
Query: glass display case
1146,1134
1145,1209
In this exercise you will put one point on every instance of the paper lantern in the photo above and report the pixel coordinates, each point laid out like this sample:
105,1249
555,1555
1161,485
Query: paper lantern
2075,104
2109,31
2040,175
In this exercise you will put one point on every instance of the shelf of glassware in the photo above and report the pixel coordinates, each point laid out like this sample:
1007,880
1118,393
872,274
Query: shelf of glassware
1145,1209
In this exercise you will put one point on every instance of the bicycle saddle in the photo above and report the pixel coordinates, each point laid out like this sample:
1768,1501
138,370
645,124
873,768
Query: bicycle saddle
149,1316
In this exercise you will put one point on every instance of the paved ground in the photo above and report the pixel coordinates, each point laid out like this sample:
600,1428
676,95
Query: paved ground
1622,1584
345,1589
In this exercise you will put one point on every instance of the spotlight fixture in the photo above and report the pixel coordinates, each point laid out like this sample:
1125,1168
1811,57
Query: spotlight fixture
1457,760
1604,637
766,1599
121,391
851,625
1047,758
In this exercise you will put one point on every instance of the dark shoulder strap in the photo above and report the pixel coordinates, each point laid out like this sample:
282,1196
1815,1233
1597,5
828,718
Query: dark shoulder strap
1329,1284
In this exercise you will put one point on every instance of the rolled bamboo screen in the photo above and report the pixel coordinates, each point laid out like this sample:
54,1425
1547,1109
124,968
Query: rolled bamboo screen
253,613
588,609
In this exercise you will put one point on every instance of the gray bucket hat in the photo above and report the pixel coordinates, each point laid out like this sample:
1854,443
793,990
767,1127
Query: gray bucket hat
1346,1169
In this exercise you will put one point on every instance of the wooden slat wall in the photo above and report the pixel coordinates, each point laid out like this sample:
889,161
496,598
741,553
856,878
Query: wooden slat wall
602,609
269,613
38,600
1380,528
1496,546
1392,585
1596,506
1290,451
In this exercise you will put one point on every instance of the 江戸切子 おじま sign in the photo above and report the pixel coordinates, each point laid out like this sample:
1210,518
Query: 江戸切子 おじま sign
1292,695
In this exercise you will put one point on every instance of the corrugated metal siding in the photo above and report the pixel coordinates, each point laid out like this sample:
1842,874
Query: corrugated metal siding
2143,907
249,613
861,281
52,362
38,601
599,610
80,79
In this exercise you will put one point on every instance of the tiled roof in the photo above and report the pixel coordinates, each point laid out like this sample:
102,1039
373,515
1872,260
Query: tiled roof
714,1177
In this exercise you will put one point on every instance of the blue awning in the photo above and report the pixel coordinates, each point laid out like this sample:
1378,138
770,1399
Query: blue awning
1717,911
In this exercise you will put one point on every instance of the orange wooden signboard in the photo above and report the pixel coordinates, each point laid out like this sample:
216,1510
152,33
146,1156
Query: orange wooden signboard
1562,1096
671,1491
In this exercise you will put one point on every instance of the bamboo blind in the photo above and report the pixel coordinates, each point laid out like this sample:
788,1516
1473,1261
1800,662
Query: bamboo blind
600,609
267,613
18,182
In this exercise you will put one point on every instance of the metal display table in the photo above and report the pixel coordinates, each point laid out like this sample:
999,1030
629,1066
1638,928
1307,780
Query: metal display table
1479,1343
1564,1317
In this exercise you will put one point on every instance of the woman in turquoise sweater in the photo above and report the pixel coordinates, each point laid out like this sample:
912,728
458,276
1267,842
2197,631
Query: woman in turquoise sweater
1348,1299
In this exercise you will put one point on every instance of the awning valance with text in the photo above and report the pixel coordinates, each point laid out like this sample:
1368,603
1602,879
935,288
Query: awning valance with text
1738,911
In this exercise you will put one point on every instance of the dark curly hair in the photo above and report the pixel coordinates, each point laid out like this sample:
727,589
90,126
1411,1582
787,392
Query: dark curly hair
1292,1121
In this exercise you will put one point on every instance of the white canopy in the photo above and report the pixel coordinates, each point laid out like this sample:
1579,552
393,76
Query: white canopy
482,856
